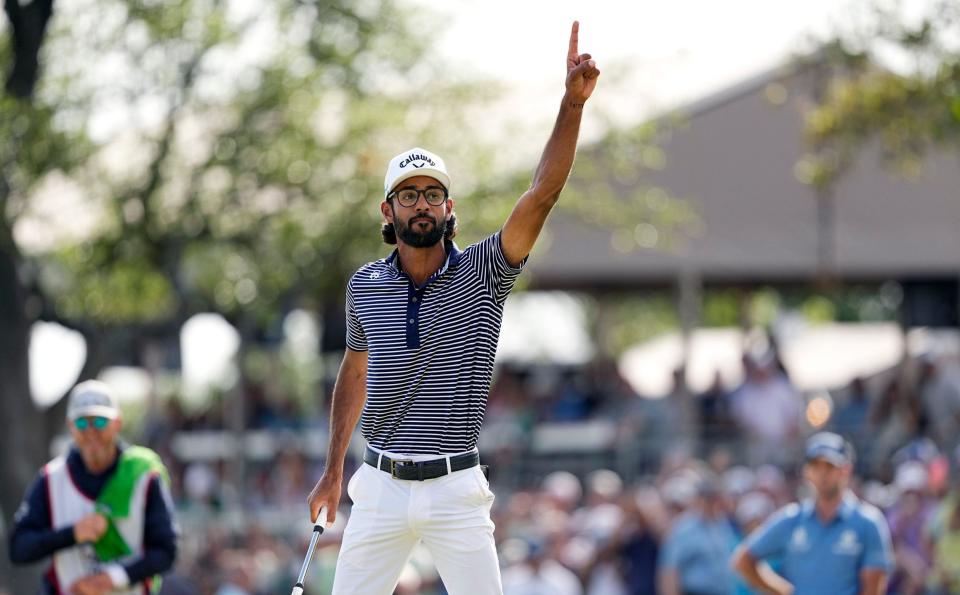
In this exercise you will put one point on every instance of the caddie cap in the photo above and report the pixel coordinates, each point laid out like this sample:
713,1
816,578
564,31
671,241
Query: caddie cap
92,399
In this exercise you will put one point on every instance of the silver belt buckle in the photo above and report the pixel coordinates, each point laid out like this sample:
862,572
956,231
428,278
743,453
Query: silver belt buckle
395,462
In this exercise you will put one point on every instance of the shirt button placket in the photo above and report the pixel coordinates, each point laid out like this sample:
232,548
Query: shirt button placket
413,310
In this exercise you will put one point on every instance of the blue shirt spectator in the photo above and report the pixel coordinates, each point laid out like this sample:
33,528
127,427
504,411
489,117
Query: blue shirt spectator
820,557
832,544
693,560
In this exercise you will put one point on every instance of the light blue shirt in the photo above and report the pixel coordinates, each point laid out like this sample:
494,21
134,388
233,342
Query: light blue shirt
699,550
820,558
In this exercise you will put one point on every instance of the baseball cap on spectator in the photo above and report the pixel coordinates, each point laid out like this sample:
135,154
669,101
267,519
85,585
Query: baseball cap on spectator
605,483
514,550
563,486
921,449
415,162
679,490
881,496
92,398
754,506
709,486
911,477
770,479
830,447
738,480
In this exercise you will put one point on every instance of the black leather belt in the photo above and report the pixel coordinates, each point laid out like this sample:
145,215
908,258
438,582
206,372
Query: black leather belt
420,470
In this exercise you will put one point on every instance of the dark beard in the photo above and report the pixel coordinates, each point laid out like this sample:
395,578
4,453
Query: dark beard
417,239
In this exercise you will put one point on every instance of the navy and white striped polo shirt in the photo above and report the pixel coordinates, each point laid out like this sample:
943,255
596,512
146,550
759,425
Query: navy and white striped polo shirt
431,348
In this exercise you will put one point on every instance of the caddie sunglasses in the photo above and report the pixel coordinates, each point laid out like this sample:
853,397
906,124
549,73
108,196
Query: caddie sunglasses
82,423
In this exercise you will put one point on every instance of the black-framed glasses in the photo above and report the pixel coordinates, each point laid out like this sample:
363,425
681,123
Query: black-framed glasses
407,197
82,423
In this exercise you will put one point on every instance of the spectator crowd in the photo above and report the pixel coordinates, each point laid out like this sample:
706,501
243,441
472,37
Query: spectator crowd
708,468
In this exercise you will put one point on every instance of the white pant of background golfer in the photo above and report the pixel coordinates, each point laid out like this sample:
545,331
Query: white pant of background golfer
449,514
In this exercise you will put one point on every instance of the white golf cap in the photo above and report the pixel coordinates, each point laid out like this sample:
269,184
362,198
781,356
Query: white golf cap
92,398
415,162
911,476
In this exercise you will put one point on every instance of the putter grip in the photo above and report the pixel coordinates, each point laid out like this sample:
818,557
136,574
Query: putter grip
297,590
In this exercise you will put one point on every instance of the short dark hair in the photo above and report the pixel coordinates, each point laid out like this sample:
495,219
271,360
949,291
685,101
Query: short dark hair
390,234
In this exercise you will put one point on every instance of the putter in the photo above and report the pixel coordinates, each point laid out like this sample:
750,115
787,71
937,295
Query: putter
317,532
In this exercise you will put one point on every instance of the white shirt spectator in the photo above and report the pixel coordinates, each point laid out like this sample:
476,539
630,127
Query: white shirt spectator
551,578
768,407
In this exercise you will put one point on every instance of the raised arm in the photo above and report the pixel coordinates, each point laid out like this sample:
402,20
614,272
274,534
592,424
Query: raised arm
523,226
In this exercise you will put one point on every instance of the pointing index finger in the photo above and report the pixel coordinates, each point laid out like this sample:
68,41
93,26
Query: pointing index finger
572,52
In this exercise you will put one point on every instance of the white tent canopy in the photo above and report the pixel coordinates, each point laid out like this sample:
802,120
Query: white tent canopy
817,357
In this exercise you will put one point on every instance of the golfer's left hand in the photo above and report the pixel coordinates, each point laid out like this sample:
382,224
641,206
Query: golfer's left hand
582,71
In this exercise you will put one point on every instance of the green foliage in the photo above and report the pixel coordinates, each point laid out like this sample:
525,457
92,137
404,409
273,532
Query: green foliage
234,160
32,147
819,309
629,320
721,308
609,189
846,304
907,112
127,289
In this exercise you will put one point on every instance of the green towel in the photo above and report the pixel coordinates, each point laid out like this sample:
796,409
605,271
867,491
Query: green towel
114,500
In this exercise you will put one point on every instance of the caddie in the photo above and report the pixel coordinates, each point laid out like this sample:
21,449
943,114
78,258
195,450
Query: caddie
102,511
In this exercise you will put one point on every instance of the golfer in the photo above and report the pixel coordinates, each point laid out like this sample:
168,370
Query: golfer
832,544
422,333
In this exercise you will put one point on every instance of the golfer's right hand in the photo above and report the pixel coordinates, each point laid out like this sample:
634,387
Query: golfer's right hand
326,494
90,528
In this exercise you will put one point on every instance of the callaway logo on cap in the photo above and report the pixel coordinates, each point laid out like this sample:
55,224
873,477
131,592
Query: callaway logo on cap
415,162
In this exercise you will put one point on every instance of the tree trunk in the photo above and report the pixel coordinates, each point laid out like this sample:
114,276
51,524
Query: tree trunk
22,448
28,23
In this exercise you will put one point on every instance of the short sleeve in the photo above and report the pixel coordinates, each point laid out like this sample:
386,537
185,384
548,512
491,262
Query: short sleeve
498,276
771,538
877,548
356,338
669,556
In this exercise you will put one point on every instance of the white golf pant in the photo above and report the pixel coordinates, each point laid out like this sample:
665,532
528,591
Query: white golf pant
449,514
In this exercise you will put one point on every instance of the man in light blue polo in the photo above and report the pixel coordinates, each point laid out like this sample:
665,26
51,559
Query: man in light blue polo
693,559
831,545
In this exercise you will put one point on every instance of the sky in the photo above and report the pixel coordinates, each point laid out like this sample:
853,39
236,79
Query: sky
653,56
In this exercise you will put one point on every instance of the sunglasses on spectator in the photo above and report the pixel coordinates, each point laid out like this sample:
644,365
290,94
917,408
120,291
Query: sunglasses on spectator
82,423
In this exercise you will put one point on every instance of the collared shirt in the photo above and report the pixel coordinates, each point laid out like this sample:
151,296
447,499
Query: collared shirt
823,558
430,348
699,549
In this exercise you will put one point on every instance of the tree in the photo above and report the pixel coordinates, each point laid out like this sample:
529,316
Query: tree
28,23
31,147
908,111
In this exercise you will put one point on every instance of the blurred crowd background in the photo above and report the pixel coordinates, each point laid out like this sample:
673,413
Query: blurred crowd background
596,510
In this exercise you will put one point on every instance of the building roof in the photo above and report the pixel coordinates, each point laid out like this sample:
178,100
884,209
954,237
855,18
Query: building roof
734,159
